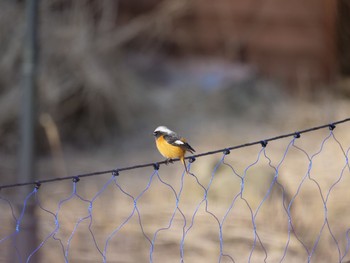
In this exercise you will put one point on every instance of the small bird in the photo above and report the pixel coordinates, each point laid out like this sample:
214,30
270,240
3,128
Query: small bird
170,145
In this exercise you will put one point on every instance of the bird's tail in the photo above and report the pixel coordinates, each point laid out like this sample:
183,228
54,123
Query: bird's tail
183,161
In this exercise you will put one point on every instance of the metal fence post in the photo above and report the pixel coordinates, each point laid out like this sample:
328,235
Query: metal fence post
26,240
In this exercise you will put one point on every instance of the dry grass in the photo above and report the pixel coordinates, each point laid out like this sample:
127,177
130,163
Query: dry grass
156,206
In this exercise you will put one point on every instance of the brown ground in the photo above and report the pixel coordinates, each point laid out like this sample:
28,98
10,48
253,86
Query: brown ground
202,244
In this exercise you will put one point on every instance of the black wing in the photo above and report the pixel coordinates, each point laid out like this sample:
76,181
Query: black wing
180,142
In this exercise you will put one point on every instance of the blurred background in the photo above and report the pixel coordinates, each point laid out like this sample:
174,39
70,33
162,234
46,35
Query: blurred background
221,74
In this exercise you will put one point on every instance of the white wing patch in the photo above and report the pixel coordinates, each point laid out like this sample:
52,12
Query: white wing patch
179,142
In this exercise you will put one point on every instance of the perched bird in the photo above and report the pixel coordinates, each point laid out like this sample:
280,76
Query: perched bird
170,145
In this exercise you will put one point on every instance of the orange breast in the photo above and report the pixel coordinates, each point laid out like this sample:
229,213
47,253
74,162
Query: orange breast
168,150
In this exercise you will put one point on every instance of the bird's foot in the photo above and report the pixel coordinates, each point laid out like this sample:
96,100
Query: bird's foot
169,160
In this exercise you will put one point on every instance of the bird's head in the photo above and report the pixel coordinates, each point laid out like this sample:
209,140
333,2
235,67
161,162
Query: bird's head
162,130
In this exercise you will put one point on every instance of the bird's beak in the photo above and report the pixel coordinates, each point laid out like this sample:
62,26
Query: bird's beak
154,134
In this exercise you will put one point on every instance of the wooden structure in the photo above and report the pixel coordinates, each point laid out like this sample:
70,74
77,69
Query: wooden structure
291,40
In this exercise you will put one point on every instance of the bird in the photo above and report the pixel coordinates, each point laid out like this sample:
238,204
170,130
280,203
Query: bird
171,146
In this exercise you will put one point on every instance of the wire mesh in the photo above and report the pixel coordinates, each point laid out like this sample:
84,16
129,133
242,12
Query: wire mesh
283,199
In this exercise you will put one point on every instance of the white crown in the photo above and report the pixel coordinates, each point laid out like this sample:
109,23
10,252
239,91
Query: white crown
165,130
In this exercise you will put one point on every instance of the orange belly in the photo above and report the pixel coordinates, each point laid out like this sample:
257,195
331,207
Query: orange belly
168,150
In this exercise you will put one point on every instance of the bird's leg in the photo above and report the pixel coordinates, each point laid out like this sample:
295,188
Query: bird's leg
168,160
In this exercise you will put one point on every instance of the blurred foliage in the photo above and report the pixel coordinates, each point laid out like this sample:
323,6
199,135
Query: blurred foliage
92,86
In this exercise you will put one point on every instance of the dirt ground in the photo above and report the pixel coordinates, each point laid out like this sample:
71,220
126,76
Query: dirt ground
307,220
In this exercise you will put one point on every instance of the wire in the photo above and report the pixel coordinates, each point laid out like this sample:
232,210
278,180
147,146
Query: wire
116,172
